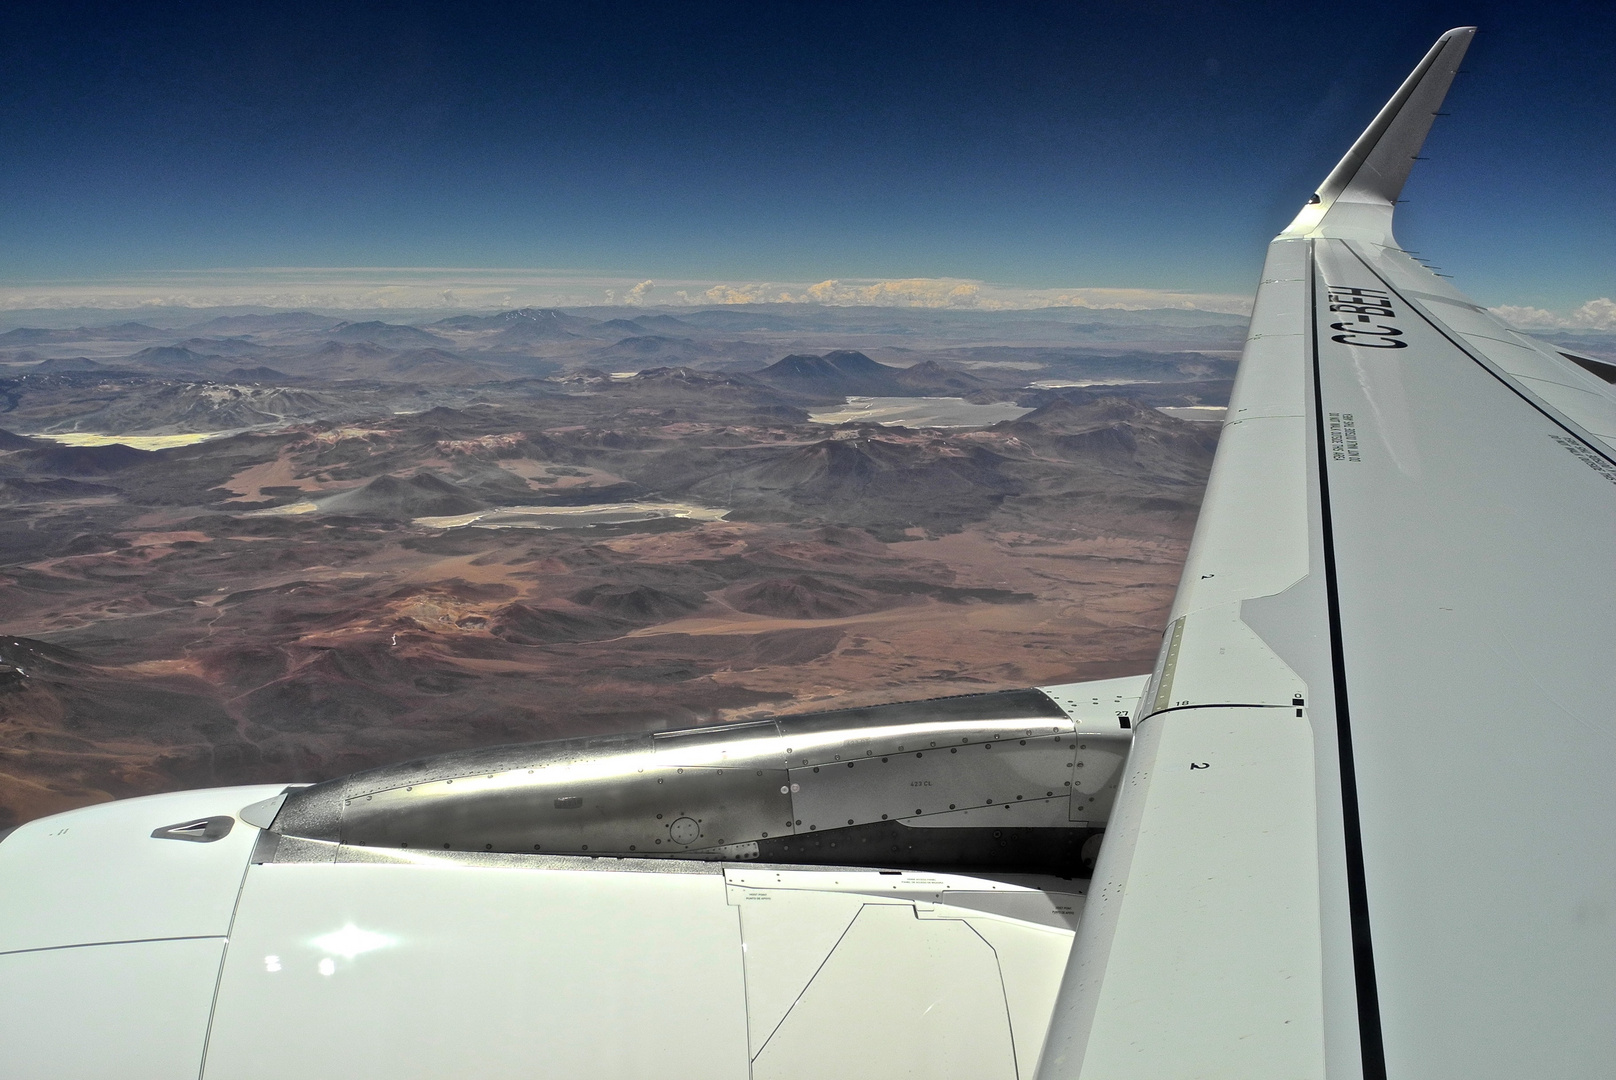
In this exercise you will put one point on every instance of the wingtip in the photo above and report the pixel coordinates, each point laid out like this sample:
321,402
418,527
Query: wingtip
1370,177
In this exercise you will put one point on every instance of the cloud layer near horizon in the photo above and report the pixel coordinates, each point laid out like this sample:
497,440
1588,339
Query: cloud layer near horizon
413,289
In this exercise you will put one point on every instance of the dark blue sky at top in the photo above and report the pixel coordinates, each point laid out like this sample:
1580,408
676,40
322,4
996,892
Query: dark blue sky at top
1031,144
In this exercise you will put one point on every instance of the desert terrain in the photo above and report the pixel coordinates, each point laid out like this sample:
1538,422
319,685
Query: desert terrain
282,546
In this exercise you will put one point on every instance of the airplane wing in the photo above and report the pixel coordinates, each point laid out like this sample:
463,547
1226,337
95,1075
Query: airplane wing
1369,824
1356,824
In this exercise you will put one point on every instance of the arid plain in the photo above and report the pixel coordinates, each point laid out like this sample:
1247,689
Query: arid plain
280,547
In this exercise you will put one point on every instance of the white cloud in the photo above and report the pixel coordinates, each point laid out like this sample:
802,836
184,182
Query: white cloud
1527,318
1596,314
905,292
959,294
735,294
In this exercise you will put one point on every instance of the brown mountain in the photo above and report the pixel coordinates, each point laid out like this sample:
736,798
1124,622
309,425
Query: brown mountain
834,376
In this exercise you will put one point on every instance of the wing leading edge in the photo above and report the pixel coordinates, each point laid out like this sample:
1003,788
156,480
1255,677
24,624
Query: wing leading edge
1365,825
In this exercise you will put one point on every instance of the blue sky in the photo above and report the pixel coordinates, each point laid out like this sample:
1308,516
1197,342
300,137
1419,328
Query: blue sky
1029,146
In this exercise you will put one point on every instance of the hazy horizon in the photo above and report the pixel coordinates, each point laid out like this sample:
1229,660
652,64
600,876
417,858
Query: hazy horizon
1595,317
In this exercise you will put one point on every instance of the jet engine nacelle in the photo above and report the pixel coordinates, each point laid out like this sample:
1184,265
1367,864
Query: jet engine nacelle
1009,780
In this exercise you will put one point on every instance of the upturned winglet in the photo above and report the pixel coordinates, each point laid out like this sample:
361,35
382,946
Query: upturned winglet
1357,198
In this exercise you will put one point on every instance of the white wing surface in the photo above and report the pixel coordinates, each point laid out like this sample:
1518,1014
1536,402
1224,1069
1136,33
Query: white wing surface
1369,824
